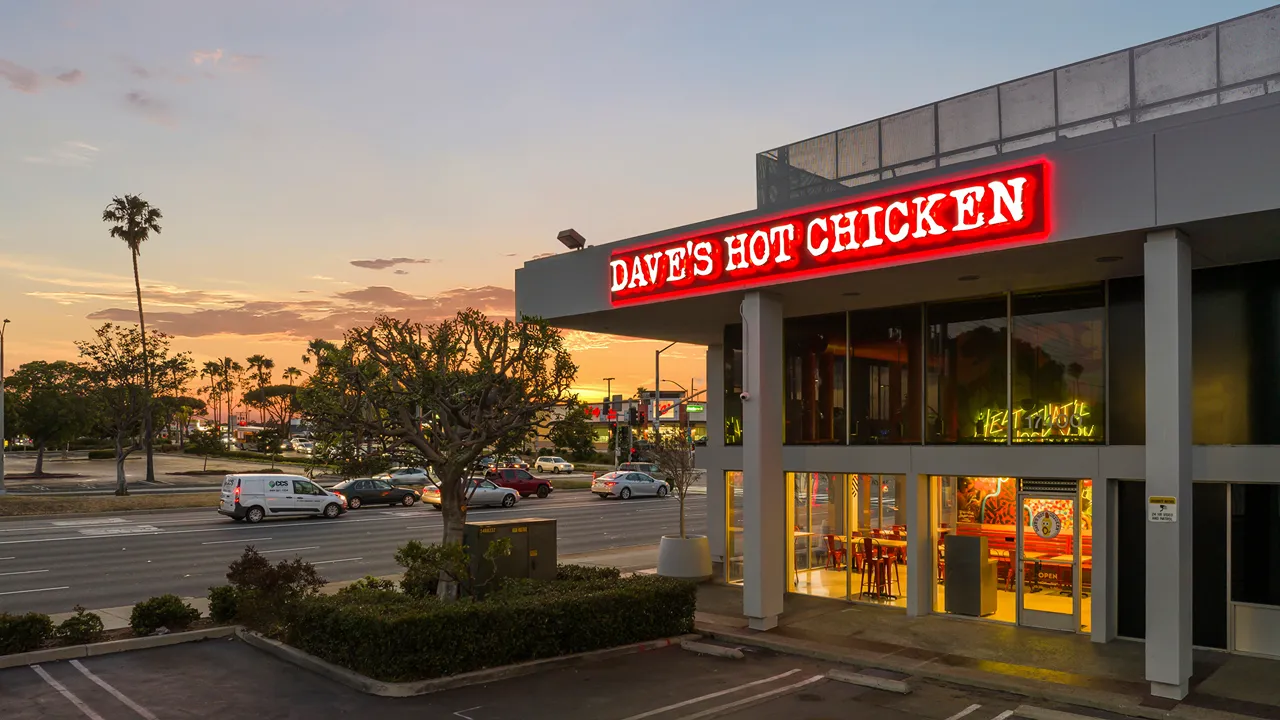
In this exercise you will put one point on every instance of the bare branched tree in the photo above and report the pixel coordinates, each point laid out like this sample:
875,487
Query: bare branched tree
673,454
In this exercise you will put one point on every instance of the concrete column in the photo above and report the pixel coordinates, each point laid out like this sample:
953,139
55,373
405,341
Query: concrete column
717,503
1106,526
921,569
1167,269
763,484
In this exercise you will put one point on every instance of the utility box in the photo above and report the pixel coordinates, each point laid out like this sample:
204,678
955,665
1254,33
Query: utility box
533,549
971,576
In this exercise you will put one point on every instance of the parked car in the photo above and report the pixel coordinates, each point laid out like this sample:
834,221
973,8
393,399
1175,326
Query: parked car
486,493
552,464
520,481
508,461
253,497
647,468
406,476
626,485
364,491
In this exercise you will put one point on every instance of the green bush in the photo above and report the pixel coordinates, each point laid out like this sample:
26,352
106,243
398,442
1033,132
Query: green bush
80,629
585,573
163,611
102,454
398,638
425,564
24,633
266,592
224,602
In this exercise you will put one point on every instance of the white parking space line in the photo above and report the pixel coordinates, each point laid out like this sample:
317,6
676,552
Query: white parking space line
143,712
224,542
22,592
330,562
720,709
964,712
310,547
703,698
1003,715
23,572
88,712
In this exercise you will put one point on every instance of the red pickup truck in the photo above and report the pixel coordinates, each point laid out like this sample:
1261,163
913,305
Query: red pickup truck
520,481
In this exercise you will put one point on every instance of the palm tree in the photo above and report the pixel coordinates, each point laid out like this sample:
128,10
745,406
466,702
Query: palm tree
290,374
133,220
261,366
212,370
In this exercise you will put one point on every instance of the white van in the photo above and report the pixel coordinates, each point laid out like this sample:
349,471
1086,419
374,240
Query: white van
253,497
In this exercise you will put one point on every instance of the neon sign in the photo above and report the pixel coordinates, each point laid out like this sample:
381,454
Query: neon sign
994,209
1052,421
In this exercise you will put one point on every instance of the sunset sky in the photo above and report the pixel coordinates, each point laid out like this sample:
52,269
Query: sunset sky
322,161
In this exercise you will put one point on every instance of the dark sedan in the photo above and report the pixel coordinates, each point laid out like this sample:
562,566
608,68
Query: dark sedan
370,491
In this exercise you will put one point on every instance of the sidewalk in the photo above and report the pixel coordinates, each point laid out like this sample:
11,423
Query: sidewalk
640,559
1062,667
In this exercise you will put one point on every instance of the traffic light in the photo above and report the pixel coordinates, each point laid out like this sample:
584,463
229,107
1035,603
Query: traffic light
644,420
632,417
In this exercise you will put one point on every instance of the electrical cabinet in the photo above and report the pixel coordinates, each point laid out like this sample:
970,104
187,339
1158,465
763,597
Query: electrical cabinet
533,549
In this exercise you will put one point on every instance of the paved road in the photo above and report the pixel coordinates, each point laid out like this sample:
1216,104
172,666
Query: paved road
50,565
229,679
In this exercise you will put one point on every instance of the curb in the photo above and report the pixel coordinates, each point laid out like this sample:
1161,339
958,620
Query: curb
369,686
703,648
1036,689
897,686
112,647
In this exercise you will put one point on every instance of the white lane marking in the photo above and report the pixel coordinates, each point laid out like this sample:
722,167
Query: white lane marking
964,712
91,521
421,527
719,709
467,717
20,592
282,526
709,696
224,542
88,712
330,562
6,558
120,530
309,547
1003,715
23,572
145,713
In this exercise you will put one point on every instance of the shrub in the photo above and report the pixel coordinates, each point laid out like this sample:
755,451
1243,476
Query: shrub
585,573
224,601
162,611
102,454
265,592
401,638
24,633
80,629
424,564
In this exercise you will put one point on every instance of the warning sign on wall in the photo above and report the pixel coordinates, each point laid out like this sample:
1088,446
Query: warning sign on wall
1162,509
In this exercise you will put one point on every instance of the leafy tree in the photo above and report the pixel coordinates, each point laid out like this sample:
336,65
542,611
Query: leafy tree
133,220
205,443
116,372
49,404
572,431
447,391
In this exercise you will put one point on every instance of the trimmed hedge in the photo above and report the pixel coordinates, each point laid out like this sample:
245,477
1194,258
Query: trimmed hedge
24,633
396,638
102,454
162,611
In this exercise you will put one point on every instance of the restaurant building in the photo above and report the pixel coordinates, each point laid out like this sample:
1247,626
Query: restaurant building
1013,356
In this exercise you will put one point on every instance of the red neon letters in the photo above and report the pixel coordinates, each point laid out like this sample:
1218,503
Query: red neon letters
998,207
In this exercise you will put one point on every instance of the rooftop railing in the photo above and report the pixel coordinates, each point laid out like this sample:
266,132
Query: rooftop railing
1215,65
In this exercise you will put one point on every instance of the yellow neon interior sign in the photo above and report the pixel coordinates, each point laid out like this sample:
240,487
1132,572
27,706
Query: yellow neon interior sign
1067,421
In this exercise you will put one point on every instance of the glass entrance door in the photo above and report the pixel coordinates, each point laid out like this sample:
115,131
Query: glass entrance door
1048,562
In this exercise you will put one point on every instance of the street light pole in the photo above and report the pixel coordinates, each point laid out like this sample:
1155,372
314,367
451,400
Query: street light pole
657,393
3,326
608,398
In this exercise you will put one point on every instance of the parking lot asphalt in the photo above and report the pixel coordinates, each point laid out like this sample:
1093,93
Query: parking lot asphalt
226,678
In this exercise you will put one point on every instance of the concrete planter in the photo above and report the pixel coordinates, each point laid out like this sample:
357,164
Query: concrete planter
687,558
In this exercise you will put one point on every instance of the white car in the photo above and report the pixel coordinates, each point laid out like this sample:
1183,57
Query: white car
254,497
626,485
552,464
486,493
407,476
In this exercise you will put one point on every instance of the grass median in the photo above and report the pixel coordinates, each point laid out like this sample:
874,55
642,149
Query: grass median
570,484
18,505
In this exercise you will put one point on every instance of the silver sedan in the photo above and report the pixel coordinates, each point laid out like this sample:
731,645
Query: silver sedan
484,493
626,485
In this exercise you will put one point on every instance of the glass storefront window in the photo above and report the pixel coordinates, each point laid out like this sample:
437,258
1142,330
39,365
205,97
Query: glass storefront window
733,385
733,527
885,378
976,507
1058,366
814,353
966,390
848,536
